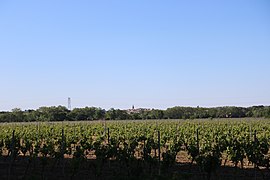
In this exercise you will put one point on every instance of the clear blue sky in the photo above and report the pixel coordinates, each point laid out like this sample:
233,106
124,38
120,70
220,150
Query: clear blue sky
149,53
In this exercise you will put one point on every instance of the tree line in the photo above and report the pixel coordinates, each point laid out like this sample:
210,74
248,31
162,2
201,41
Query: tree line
61,113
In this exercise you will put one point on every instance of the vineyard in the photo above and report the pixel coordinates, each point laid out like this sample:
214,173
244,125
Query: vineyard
154,149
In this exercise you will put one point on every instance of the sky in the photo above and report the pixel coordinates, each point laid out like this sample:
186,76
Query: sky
146,53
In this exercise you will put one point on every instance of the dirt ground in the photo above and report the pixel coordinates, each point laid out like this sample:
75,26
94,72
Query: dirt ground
47,168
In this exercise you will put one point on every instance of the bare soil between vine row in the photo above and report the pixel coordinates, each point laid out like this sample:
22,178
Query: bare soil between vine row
90,168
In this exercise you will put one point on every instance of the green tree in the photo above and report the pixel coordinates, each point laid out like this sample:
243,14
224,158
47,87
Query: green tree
53,113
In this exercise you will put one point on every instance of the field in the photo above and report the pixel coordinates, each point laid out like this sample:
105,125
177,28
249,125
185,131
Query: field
154,149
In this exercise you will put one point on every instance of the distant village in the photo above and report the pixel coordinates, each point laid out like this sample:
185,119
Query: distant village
137,110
